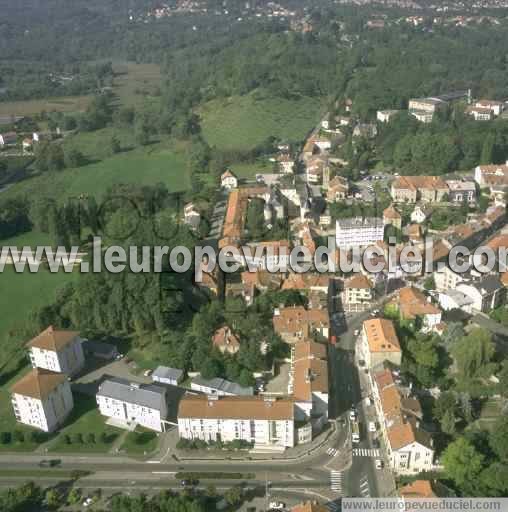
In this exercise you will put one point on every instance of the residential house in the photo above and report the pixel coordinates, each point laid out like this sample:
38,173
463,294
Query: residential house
268,423
384,116
295,323
391,217
306,282
225,341
308,382
487,293
343,120
491,175
420,214
496,107
365,130
480,113
220,387
286,164
461,191
417,489
323,143
455,299
57,350
425,108
128,404
27,145
166,375
42,399
228,180
8,139
260,280
409,189
359,232
358,294
315,169
413,304
338,189
380,342
191,215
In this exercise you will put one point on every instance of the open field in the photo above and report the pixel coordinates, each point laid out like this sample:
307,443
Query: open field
157,163
249,171
136,83
30,107
242,122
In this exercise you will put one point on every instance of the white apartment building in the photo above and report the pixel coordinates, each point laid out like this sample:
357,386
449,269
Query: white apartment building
267,255
379,343
266,422
57,350
42,399
130,403
358,294
359,232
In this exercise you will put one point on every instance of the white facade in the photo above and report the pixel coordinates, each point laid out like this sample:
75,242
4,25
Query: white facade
359,232
70,359
454,299
418,215
229,181
45,413
149,412
411,459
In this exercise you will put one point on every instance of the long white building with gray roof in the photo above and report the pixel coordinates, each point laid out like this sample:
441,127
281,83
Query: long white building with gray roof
133,404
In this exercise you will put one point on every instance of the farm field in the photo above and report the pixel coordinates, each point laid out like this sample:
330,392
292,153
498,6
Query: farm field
30,107
136,84
242,122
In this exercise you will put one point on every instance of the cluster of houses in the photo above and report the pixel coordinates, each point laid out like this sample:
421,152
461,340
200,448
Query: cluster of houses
409,447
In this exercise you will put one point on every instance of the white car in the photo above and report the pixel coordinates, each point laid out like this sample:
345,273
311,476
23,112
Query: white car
277,505
356,332
352,415
148,373
87,502
379,464
372,426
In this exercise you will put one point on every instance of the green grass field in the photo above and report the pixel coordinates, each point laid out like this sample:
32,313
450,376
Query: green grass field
242,122
85,419
140,442
136,84
156,163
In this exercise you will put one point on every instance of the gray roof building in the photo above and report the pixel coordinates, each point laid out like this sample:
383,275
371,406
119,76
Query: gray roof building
164,373
222,386
146,395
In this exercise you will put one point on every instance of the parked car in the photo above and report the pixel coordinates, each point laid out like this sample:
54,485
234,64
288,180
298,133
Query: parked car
379,464
356,332
376,443
352,415
87,502
372,426
277,505
147,373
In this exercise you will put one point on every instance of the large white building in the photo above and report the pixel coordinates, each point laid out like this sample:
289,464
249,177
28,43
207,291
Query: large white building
359,232
266,422
57,350
130,403
42,399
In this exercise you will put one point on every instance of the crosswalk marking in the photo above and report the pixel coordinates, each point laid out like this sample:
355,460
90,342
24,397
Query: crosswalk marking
366,452
332,452
364,488
336,481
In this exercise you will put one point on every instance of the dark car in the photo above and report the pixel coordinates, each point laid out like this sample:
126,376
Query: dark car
50,463
188,482
375,443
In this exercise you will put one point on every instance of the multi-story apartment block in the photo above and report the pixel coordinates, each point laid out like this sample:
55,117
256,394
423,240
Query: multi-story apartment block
296,323
308,381
380,343
57,350
359,232
491,175
266,422
496,107
425,108
358,294
131,403
42,399
409,189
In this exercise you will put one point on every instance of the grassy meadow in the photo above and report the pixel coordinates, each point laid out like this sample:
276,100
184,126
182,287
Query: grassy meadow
242,122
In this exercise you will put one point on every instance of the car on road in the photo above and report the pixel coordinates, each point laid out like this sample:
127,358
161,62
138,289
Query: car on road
375,443
277,505
188,482
352,415
379,464
356,332
361,362
372,426
51,463
371,400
